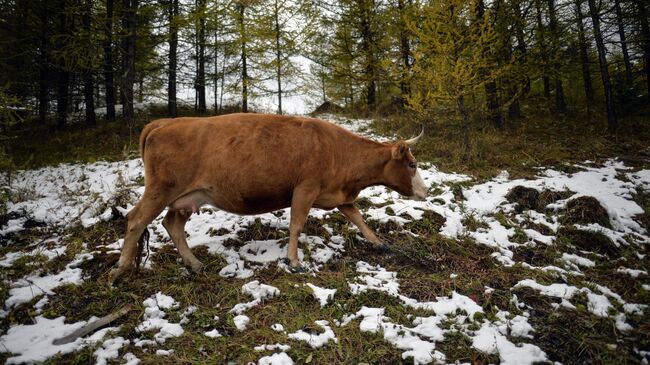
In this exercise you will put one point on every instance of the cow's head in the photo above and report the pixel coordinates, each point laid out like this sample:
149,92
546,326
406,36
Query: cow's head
401,172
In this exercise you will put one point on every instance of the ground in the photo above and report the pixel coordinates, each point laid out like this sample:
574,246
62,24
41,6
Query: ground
552,268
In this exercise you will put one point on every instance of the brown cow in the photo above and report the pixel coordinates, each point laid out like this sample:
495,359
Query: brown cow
256,163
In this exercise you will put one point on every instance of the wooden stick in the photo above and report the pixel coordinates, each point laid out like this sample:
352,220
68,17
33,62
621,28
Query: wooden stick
93,326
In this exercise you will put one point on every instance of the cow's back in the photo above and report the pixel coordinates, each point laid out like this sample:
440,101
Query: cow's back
247,160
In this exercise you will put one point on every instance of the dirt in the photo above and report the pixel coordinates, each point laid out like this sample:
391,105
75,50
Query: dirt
589,241
329,108
532,199
585,210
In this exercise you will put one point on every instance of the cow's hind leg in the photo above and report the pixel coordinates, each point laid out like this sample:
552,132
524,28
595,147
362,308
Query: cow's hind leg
174,223
301,202
353,214
145,211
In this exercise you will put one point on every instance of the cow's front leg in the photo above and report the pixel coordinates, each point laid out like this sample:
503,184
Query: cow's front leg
302,200
353,214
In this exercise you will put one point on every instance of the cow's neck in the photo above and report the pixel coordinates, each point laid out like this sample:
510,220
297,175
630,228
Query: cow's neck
367,168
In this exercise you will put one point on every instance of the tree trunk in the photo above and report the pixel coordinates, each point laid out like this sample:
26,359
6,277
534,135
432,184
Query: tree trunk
244,71
541,40
278,55
172,109
89,97
108,62
521,42
645,36
367,45
43,68
621,34
200,74
560,102
464,126
405,54
584,57
604,73
130,8
63,75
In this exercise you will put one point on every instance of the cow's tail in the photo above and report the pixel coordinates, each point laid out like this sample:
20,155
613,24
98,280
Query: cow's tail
143,136
142,242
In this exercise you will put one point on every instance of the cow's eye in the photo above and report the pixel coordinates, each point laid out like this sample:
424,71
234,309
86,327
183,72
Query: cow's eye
413,165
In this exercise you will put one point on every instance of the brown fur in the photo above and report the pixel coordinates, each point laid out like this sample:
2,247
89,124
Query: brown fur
255,163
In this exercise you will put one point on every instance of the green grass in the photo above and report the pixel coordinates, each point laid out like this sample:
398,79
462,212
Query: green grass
424,263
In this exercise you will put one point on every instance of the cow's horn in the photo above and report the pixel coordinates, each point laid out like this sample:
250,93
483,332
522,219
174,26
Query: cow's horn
413,140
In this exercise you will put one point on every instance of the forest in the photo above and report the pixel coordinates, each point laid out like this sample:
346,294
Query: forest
530,245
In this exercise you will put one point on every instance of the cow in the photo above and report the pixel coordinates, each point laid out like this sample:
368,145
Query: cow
247,164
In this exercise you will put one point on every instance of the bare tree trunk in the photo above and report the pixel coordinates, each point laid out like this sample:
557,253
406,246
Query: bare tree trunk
130,9
43,68
89,97
645,36
63,75
200,74
172,108
244,71
464,126
367,45
542,45
621,34
560,102
278,55
584,57
108,62
604,73
405,53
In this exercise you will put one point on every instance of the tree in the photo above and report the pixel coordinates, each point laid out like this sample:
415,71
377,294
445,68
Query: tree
556,56
109,81
451,63
172,18
200,57
88,67
129,27
621,34
602,61
584,56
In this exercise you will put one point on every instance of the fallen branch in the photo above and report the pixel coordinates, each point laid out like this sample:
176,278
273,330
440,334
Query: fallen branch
93,326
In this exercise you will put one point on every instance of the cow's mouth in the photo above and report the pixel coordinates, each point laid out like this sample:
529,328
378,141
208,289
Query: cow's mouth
420,189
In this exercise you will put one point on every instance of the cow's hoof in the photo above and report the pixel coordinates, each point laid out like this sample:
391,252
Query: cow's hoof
197,268
297,269
294,268
115,275
381,247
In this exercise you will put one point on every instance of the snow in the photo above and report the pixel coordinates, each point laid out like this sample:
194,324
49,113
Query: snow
632,272
323,295
241,321
280,358
109,350
258,291
85,194
154,318
33,342
277,346
488,339
277,327
578,260
213,334
316,340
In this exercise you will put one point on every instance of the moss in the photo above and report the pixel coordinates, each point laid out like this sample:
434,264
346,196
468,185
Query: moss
586,210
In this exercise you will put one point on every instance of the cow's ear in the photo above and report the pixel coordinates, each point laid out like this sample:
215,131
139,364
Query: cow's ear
400,149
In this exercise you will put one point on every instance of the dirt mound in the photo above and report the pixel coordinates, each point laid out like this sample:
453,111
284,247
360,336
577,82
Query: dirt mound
585,210
328,107
526,198
529,198
588,241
